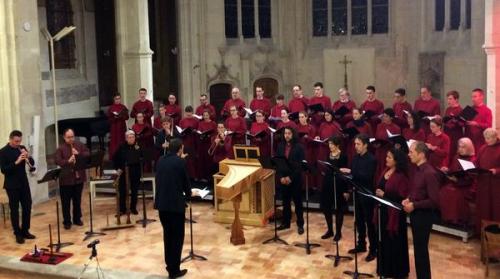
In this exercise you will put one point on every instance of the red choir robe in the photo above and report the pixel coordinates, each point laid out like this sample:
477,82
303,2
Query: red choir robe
348,116
204,160
364,128
440,157
264,142
326,103
189,140
298,104
157,122
454,196
381,152
239,127
276,110
174,111
431,107
325,131
399,111
377,107
410,134
453,128
145,139
117,117
488,184
211,110
145,107
221,151
261,104
239,103
485,119
306,135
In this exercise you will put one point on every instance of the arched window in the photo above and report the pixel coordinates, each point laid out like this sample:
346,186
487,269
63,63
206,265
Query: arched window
60,15
247,18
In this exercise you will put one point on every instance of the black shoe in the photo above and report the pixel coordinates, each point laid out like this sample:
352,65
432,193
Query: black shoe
283,227
337,237
134,211
19,239
358,249
28,235
328,234
78,223
371,256
67,226
180,274
300,230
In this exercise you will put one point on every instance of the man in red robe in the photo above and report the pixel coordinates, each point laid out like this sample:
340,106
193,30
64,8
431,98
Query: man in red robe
483,120
298,103
117,117
144,106
280,105
374,105
205,106
173,110
428,106
488,190
260,102
452,126
189,140
319,98
400,106
234,101
344,101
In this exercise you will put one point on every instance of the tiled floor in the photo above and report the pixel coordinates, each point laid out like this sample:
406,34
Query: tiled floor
141,250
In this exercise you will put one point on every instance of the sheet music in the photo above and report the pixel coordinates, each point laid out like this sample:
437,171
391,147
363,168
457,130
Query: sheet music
325,163
249,112
202,193
407,112
388,203
199,117
466,165
389,134
272,129
320,140
431,117
372,139
410,142
179,129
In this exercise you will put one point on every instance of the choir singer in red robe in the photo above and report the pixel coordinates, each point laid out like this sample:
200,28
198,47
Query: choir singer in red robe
234,101
117,117
439,144
401,108
426,105
319,98
414,131
189,140
143,106
173,110
483,120
453,127
488,184
157,119
261,134
328,129
276,110
260,102
298,102
206,106
307,133
344,101
374,105
236,126
221,147
382,133
206,129
145,139
363,128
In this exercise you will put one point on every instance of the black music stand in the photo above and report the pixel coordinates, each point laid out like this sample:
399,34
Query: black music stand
355,274
308,246
337,257
192,255
268,163
91,233
147,155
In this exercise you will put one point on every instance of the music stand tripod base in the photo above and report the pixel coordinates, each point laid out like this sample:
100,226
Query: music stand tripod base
356,275
337,258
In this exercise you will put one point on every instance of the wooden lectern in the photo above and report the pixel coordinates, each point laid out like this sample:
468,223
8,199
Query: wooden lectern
243,192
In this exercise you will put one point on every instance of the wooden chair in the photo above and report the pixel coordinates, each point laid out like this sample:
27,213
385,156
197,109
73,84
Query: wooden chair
490,244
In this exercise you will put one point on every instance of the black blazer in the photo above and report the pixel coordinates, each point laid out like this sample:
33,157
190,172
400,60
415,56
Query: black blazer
15,175
171,183
295,158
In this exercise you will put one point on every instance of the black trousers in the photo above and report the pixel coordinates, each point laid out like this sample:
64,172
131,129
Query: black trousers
20,196
421,225
288,193
71,194
173,239
134,178
327,205
364,222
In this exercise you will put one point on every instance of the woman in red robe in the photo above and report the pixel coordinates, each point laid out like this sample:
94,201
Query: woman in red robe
307,133
439,144
363,128
452,127
327,129
157,120
236,126
455,195
344,101
414,131
275,116
145,139
117,117
382,134
488,190
221,146
261,134
189,139
207,128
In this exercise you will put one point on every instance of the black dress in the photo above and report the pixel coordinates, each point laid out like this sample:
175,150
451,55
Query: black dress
393,258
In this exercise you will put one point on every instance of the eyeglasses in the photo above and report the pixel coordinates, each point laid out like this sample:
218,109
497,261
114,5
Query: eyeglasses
232,110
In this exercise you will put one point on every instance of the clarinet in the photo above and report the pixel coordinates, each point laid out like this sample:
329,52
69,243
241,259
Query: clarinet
27,159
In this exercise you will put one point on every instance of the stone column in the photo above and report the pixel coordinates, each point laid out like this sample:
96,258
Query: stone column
134,56
492,48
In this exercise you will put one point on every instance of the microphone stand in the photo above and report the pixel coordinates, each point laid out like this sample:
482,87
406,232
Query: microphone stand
379,252
144,221
337,257
355,274
308,246
91,233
